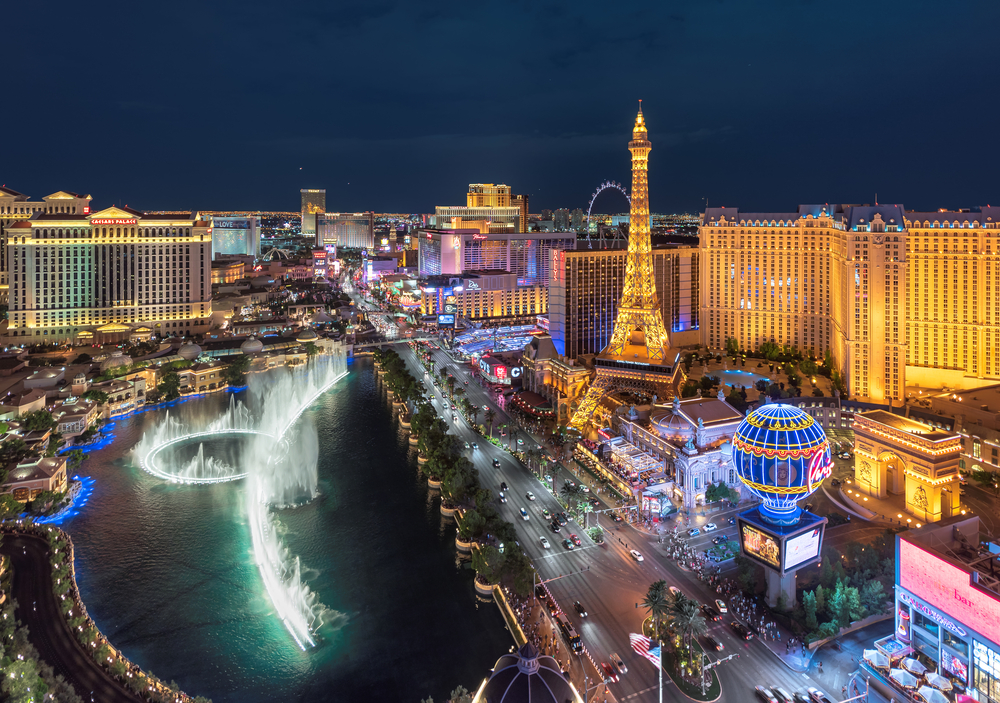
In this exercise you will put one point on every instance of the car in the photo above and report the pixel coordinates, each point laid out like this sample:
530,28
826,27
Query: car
694,532
617,662
485,406
562,518
445,405
732,521
711,613
844,455
741,629
568,545
475,445
545,542
546,513
713,643
466,383
609,673
580,609
635,555
782,695
551,604
594,502
817,695
711,527
520,441
585,488
524,514
801,697
674,591
575,540
617,517
571,484
496,463
765,694
503,485
554,526
529,495
835,482
720,539
721,605
503,498
454,418
467,445
540,591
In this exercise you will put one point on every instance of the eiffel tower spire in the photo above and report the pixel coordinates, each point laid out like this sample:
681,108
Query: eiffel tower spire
639,338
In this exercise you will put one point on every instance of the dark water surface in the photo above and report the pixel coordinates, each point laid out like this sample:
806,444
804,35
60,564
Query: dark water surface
167,571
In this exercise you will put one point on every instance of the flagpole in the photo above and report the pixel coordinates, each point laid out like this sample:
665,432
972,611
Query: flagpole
661,670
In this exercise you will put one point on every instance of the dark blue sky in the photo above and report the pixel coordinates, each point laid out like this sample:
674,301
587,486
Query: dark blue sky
396,106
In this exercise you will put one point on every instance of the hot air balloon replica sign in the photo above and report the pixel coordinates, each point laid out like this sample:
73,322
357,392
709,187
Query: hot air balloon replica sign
782,456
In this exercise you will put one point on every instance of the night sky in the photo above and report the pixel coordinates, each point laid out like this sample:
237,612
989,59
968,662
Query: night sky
397,106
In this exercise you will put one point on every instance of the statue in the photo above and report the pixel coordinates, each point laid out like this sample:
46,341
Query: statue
721,395
689,445
701,424
677,404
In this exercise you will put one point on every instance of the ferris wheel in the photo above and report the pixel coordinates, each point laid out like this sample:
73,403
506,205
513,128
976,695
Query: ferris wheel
606,185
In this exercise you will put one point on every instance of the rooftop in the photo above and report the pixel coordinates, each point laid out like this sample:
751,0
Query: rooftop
908,425
958,541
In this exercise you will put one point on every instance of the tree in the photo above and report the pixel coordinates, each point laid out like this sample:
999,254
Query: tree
82,359
686,619
9,506
235,373
872,596
573,494
98,396
736,400
311,349
491,415
809,606
596,534
39,421
656,603
820,594
732,346
460,695
170,386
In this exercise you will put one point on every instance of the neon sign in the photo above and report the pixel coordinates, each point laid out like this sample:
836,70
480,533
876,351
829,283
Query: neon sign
760,545
479,237
933,615
819,466
114,221
949,589
501,372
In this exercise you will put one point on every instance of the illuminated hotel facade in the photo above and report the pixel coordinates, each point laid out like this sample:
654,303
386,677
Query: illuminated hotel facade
897,297
313,205
489,208
585,287
346,230
101,276
526,255
15,207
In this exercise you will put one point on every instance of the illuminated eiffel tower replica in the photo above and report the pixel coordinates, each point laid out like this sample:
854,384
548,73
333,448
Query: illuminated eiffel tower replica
637,357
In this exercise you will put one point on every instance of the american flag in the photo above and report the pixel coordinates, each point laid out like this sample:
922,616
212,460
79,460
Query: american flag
642,645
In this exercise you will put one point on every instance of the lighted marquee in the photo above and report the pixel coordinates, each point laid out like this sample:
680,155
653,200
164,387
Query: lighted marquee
803,548
761,545
949,589
782,456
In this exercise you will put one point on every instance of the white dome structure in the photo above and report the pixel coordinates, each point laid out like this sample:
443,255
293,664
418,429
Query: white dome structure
669,422
189,351
117,359
320,318
79,379
306,335
251,346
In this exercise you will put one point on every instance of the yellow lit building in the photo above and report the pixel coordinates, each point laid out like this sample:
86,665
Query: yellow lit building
898,298
485,296
488,208
74,275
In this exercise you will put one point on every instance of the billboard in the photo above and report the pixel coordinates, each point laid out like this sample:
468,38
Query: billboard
761,546
446,320
802,548
949,589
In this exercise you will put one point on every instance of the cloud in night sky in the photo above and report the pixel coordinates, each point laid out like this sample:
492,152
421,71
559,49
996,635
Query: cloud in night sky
397,106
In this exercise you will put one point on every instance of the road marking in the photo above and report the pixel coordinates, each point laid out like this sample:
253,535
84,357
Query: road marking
645,690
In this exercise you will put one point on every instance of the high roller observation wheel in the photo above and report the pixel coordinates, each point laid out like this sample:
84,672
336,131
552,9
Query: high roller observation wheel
606,185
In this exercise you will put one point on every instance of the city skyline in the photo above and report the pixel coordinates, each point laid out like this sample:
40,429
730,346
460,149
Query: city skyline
784,107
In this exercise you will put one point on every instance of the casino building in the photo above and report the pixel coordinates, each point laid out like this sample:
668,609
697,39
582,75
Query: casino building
99,277
947,614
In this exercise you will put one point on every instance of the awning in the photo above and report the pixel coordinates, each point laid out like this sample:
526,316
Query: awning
932,695
904,678
914,666
876,658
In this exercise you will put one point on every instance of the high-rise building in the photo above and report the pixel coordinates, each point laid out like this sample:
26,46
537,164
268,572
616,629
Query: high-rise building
576,220
521,201
560,220
586,285
313,204
492,297
525,255
638,356
896,297
100,276
15,207
488,209
346,230
236,235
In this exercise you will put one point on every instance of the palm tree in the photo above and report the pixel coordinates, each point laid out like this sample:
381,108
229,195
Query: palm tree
656,603
687,620
572,493
491,415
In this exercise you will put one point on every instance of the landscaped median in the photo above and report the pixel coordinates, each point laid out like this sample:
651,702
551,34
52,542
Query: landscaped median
683,666
144,686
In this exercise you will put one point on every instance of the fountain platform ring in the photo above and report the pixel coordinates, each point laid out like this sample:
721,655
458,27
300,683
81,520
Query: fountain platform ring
149,463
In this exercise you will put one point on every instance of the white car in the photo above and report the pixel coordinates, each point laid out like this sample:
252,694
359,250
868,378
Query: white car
524,514
503,498
617,662
674,591
635,555
545,543
585,488
711,526
529,495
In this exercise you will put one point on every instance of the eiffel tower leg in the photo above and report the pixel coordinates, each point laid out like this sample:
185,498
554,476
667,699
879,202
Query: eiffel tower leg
599,386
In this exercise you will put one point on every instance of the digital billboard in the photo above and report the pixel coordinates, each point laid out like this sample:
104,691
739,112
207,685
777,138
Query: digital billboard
761,546
802,548
949,589
446,320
